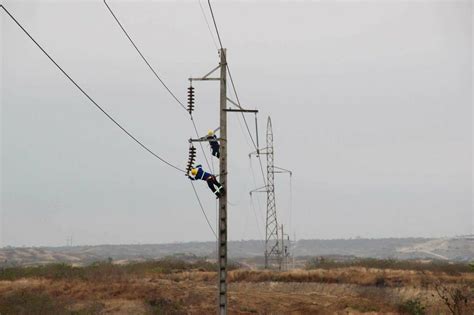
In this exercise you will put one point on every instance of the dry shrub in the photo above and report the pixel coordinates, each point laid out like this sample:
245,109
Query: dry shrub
450,268
203,276
412,307
30,302
351,275
457,298
289,276
106,271
164,306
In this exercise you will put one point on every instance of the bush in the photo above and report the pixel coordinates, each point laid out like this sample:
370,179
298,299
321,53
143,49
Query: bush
30,302
164,306
435,266
104,271
457,298
412,307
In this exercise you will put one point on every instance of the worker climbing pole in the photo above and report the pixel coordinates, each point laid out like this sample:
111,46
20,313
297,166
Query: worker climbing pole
197,173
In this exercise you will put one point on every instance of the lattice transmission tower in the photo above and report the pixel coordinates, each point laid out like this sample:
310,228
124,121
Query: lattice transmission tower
273,252
276,251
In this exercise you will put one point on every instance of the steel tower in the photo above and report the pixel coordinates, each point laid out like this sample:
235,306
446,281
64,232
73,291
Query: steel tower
272,241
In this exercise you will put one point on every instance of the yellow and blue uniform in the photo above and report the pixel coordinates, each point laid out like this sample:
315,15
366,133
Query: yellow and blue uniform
211,180
215,146
201,174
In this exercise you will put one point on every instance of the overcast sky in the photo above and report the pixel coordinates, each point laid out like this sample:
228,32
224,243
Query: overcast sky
371,104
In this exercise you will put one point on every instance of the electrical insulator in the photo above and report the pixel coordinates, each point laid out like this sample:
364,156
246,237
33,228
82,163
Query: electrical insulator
190,99
192,158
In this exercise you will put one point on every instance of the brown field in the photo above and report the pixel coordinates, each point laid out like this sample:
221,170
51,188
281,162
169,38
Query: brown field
154,288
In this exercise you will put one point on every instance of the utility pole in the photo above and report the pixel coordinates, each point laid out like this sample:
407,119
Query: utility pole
283,251
222,217
222,278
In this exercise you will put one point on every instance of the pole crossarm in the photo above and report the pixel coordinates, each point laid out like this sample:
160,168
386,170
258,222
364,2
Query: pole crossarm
206,77
231,110
204,140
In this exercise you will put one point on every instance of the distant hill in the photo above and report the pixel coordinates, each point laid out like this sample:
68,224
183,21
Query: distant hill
452,249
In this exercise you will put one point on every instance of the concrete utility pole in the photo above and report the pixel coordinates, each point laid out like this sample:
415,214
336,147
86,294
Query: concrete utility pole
223,110
222,278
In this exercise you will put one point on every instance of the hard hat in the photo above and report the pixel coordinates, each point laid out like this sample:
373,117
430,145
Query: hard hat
210,132
194,171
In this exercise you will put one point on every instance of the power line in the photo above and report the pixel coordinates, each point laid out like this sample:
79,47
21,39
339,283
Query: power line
260,160
88,96
215,24
230,74
234,89
208,26
156,75
256,217
202,209
200,143
255,185
174,96
143,57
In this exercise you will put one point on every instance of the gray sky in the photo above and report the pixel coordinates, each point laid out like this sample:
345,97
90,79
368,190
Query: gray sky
371,103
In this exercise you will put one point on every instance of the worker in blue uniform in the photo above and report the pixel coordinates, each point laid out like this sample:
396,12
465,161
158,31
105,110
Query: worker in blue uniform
198,173
215,146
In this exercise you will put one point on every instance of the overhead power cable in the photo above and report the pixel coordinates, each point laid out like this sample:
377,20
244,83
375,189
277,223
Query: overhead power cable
175,98
88,96
202,209
208,26
200,143
156,75
230,74
143,57
235,93
235,90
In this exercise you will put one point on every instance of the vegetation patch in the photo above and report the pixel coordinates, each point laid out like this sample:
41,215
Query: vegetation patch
164,306
416,265
105,271
30,302
412,307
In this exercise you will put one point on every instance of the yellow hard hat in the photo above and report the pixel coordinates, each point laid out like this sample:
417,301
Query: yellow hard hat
210,132
194,171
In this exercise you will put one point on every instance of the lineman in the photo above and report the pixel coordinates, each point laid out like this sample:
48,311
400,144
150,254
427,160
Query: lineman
212,138
198,173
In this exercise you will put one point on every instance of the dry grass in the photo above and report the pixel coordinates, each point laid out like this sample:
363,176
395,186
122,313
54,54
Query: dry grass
165,288
452,268
105,271
353,275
